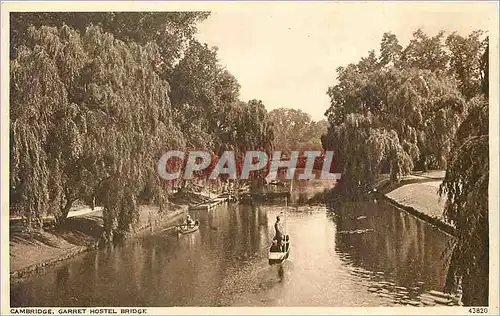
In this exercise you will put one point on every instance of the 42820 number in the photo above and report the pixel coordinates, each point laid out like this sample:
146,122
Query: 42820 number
478,310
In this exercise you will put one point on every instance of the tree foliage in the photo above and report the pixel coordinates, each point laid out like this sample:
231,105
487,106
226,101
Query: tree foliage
425,105
465,187
96,110
171,31
294,130
203,92
97,98
424,52
398,111
467,62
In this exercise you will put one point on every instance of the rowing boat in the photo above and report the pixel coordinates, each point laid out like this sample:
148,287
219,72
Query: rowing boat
185,229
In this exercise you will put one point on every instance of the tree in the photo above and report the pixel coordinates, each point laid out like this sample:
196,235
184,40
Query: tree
294,130
91,109
251,129
432,109
36,92
391,118
465,61
171,31
390,51
424,52
93,115
466,189
202,94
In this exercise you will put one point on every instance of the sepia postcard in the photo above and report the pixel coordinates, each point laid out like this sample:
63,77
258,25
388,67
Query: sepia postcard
257,158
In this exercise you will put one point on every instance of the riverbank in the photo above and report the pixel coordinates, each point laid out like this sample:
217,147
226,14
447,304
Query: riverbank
31,252
418,195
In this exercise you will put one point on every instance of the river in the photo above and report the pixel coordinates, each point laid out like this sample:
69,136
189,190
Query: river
363,254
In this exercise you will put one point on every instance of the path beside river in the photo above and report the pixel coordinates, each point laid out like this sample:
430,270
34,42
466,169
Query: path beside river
418,194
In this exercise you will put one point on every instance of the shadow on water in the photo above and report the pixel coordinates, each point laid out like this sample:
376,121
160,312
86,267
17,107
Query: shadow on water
281,273
363,254
398,253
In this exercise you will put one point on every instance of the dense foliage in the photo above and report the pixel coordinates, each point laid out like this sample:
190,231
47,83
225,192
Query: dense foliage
418,107
401,110
171,31
466,189
97,98
294,130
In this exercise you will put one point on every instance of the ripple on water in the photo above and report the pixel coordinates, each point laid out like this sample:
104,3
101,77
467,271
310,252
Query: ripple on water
404,296
392,294
339,277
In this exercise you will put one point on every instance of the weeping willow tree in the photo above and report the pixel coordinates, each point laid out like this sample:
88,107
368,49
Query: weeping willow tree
419,107
89,114
401,110
37,93
206,105
388,120
122,84
465,187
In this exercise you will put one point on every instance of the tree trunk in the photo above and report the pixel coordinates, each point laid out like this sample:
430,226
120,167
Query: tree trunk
65,211
476,285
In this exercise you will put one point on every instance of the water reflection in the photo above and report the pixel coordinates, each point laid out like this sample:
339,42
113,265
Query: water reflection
363,254
398,253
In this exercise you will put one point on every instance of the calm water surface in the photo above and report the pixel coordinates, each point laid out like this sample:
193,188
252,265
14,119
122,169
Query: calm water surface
363,254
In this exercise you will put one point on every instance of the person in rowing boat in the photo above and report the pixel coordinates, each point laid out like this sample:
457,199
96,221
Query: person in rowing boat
189,222
279,232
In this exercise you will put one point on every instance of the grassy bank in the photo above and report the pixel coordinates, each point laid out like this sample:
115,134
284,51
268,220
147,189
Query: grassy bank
31,252
418,195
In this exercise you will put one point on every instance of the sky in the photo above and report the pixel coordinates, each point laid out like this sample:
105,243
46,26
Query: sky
286,56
